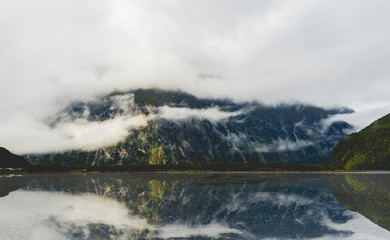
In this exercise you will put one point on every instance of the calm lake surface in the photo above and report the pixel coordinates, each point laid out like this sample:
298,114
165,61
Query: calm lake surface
196,206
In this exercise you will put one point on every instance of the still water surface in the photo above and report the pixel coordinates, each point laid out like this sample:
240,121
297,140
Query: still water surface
196,206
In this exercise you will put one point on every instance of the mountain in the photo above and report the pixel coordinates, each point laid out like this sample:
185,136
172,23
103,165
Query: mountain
181,128
367,149
10,160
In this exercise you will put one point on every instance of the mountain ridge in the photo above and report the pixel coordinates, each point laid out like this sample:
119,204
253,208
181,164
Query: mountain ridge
367,149
181,128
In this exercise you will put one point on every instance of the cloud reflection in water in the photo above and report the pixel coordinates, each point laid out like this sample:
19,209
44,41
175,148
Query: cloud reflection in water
158,209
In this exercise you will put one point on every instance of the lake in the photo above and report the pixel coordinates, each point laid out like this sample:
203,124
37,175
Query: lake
195,206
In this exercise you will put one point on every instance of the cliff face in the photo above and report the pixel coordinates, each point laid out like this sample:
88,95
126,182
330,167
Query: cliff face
367,149
178,127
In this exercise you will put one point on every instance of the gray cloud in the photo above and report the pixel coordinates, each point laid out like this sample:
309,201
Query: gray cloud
321,52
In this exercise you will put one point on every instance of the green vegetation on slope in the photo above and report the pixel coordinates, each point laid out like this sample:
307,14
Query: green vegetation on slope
367,149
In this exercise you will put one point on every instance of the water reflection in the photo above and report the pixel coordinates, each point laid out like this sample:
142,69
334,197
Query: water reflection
9,183
197,206
368,194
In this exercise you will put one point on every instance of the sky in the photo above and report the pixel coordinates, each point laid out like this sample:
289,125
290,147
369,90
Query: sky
323,52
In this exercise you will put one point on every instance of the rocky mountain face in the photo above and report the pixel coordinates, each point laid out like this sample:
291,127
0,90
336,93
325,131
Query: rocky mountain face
179,127
367,149
10,160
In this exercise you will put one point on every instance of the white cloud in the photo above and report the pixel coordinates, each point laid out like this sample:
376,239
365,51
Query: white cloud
213,114
319,52
282,145
69,133
364,117
123,102
79,134
91,135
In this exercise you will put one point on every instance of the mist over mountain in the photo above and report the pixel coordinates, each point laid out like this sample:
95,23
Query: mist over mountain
152,126
55,53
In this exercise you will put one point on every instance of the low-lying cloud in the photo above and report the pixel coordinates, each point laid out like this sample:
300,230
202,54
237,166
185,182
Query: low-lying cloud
212,114
77,134
84,134
282,145
362,118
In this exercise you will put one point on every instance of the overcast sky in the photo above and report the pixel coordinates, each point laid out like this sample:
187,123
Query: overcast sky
325,53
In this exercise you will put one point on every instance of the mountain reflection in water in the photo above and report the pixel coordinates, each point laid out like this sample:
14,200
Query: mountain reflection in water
196,206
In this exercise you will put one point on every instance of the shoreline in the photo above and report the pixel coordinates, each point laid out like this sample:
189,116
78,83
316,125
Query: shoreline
191,172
